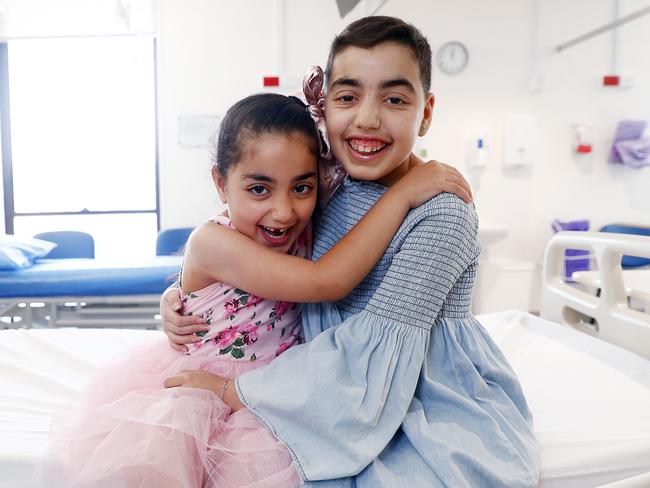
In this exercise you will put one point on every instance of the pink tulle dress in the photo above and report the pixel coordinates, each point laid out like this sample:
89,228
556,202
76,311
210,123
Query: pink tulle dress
131,431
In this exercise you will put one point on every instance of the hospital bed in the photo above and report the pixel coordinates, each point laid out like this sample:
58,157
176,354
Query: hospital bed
590,398
86,292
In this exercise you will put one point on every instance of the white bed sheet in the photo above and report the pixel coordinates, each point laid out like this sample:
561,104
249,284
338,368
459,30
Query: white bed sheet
590,399
42,370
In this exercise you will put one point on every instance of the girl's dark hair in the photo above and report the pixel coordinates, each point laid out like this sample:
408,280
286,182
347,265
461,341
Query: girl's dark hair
371,31
255,116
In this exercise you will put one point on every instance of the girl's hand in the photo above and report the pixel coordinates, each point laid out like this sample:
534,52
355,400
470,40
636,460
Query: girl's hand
210,382
180,330
425,180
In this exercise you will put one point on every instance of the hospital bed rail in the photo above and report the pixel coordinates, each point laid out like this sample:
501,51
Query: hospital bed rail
607,315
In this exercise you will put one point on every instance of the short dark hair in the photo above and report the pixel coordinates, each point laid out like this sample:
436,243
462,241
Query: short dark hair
254,116
371,31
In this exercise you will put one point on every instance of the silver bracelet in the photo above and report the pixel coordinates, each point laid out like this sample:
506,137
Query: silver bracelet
224,387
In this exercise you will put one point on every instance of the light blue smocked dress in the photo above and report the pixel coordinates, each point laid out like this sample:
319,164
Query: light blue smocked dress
399,385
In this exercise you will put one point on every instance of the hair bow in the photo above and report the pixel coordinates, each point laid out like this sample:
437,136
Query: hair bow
312,87
331,173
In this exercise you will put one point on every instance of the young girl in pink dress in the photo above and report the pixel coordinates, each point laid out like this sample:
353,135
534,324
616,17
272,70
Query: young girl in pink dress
154,417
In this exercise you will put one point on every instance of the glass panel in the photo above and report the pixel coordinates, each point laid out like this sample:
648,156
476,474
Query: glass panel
83,124
115,236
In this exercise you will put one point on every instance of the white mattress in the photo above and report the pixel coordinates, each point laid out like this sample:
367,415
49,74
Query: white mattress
590,400
40,371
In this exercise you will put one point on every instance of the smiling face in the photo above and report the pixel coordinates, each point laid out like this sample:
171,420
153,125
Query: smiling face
374,109
271,190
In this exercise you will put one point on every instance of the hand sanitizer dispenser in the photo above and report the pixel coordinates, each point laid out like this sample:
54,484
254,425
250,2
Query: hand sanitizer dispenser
481,155
477,152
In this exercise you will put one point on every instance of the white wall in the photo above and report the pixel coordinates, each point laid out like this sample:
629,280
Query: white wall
215,52
212,53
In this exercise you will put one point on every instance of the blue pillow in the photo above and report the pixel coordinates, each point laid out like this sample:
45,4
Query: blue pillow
19,252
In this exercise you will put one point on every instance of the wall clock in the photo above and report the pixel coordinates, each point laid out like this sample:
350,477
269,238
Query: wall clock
452,57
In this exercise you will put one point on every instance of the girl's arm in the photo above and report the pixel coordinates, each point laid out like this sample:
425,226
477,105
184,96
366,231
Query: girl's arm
217,253
224,388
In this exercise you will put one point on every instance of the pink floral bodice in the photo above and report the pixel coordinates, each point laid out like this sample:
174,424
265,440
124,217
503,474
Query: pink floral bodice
243,326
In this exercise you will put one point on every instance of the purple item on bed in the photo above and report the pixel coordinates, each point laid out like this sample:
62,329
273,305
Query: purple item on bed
574,259
627,130
560,225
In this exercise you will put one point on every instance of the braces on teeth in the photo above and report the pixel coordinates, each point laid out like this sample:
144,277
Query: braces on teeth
366,149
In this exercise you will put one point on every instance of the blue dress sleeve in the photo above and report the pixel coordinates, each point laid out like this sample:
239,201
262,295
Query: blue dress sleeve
337,401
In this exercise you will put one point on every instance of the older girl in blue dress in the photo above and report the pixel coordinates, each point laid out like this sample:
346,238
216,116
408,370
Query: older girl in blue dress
399,384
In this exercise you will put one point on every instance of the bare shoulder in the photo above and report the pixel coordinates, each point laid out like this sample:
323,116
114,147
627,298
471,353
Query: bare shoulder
206,248
209,233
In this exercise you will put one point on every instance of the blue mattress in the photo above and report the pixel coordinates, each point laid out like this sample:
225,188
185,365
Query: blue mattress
90,277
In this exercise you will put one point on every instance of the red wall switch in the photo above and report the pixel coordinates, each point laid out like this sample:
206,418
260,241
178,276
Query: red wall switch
611,80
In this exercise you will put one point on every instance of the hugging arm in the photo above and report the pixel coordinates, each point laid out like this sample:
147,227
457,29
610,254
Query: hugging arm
232,258
224,255
337,401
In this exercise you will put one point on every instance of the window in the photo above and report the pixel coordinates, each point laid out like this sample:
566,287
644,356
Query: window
82,155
